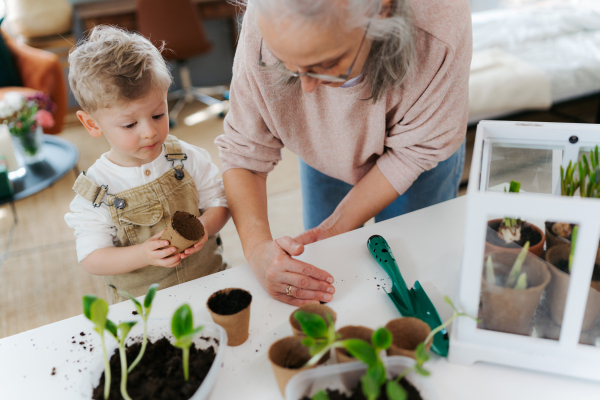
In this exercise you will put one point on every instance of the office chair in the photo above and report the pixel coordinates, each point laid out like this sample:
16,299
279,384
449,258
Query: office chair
177,23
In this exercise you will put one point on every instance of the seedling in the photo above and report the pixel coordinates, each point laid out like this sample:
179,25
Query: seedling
96,310
320,336
568,183
375,377
510,228
573,240
183,330
589,175
120,334
143,312
516,279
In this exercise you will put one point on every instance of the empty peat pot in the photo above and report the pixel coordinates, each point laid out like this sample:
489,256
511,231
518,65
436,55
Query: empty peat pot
351,332
529,233
287,357
230,308
558,258
183,231
318,309
507,309
407,334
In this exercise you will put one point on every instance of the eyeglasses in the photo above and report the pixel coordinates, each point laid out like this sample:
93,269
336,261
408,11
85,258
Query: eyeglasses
327,78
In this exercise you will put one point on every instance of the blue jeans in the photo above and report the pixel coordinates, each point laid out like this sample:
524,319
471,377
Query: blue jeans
321,193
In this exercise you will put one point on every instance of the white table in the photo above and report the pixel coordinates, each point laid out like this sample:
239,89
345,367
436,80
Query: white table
427,245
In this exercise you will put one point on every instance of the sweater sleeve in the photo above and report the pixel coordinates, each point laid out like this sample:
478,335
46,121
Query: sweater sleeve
434,126
248,142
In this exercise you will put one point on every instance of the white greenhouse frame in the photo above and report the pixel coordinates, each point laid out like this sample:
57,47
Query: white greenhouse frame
469,344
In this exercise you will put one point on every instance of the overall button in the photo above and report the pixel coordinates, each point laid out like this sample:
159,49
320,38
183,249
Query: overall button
147,172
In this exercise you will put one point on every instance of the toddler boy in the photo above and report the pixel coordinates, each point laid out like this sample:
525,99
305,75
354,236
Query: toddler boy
126,198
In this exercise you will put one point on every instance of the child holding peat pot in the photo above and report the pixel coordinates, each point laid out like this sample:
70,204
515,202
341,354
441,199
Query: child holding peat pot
148,181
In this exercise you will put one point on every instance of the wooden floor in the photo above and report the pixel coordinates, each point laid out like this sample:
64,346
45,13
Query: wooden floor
40,279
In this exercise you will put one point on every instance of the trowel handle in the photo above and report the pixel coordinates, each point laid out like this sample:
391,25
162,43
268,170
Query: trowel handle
381,251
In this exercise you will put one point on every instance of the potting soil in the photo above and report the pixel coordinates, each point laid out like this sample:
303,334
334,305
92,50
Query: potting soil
527,235
160,373
187,225
230,303
357,394
563,265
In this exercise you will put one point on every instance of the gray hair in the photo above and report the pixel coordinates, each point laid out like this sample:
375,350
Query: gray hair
391,56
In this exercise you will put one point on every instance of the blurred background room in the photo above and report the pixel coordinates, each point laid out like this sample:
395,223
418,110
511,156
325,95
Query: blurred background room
533,60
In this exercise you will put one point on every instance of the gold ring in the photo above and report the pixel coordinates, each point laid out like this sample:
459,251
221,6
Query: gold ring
288,290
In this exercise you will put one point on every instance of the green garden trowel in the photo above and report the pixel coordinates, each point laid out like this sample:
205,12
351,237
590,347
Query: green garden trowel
410,302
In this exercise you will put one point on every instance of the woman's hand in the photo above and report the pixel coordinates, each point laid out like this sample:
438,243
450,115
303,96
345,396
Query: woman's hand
275,269
154,252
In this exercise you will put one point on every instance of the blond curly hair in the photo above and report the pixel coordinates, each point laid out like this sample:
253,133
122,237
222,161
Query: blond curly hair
112,66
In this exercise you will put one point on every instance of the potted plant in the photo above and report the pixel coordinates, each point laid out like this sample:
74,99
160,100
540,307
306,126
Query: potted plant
373,379
560,258
588,184
511,289
26,117
177,362
319,309
511,233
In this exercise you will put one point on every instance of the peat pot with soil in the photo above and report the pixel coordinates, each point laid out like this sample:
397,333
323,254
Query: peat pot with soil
560,259
511,290
153,358
183,231
230,308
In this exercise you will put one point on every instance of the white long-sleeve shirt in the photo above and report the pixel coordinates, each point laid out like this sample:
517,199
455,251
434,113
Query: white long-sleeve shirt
94,228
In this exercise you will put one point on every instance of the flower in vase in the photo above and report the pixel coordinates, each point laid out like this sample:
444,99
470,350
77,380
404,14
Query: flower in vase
44,119
11,103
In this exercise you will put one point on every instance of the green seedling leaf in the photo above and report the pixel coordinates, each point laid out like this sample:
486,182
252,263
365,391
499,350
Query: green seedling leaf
515,187
317,348
112,329
88,300
150,296
573,244
124,328
377,372
320,395
516,269
490,276
308,341
136,303
182,322
370,387
98,312
311,324
381,339
421,354
361,350
521,282
421,371
394,391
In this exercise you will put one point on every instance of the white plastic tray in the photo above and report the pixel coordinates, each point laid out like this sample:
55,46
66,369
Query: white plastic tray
347,376
158,328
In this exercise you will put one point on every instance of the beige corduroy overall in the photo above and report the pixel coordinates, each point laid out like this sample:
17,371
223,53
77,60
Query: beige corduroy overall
142,212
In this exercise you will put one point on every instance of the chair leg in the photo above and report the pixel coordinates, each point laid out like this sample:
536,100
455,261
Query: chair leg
177,108
209,101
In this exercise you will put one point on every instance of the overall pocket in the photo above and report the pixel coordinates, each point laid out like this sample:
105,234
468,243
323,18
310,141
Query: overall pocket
141,223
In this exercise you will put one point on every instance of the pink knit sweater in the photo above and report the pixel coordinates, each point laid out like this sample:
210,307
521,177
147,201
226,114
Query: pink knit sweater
410,130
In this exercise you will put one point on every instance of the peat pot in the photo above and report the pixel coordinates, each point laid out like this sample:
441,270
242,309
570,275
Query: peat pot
511,310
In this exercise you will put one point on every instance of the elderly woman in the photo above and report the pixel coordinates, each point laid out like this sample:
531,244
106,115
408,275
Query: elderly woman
372,95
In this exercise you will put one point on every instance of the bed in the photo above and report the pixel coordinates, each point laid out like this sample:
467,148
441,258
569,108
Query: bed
531,58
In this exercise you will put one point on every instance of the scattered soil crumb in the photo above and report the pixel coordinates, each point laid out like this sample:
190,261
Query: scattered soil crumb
81,334
134,312
53,371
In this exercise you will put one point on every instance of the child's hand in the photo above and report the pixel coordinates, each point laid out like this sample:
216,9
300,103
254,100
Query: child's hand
196,247
153,252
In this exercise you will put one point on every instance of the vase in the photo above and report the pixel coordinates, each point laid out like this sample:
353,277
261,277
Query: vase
29,146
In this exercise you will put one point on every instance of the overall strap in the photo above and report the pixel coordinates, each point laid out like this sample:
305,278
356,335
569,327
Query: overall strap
173,149
173,153
95,193
89,190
